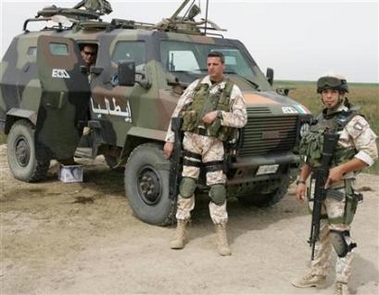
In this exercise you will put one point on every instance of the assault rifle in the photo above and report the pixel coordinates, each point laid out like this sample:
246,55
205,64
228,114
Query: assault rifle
176,158
320,175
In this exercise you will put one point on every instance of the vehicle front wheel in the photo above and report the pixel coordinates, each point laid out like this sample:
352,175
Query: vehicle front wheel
147,185
21,153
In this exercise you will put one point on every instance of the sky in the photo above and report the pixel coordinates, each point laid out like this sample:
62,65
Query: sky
300,40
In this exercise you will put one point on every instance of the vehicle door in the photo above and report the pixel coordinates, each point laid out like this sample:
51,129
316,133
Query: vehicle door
65,97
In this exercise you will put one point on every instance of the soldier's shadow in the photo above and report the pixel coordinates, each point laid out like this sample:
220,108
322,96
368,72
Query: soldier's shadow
364,272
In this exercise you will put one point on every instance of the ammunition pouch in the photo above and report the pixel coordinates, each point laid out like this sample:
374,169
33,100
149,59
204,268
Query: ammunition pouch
310,149
213,129
189,120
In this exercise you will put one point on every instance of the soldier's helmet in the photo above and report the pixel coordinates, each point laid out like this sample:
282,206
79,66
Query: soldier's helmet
332,81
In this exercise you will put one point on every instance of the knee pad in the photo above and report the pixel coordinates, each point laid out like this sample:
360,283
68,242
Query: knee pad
187,187
218,194
341,242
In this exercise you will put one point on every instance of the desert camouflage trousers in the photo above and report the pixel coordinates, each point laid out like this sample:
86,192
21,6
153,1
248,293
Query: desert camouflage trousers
335,210
211,149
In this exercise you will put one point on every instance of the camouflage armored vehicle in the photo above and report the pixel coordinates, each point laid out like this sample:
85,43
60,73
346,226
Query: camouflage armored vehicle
126,99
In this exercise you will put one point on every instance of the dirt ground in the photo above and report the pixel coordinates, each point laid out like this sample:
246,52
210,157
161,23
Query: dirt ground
82,238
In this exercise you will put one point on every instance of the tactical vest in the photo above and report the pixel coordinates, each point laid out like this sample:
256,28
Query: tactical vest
311,144
203,103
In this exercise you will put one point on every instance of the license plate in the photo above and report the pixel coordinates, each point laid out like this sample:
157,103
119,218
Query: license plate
267,169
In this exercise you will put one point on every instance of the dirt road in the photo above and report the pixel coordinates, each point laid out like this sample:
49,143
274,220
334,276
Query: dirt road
82,238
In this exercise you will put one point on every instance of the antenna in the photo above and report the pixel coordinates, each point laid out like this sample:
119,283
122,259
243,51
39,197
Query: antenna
206,18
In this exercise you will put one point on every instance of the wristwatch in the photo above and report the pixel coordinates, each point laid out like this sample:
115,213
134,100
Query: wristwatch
300,181
219,115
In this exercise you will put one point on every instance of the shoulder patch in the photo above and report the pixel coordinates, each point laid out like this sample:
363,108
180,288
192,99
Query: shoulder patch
356,126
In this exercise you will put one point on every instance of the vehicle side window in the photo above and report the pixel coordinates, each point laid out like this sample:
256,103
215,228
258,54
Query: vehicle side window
32,51
58,49
130,50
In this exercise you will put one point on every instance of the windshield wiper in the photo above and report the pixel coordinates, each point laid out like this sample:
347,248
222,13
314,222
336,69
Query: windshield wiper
256,86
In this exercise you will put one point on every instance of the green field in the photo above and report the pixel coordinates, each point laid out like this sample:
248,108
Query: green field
364,95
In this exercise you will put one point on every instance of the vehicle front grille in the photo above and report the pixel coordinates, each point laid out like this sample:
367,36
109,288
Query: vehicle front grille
268,134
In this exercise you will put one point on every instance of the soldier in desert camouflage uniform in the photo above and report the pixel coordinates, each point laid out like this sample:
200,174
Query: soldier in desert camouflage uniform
355,150
211,108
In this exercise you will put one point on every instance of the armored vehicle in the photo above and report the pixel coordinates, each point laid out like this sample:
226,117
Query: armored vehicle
125,100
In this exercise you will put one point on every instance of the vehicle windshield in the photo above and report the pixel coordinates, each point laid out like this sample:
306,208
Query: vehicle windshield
187,60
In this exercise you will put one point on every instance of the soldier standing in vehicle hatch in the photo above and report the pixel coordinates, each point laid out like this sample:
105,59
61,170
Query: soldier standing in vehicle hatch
356,149
88,53
211,108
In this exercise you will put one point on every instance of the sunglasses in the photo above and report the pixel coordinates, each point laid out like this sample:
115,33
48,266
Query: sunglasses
89,53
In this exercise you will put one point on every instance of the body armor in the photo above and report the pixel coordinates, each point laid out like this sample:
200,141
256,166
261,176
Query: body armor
312,143
204,102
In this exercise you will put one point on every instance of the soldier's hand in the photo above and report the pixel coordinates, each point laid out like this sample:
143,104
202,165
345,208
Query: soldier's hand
209,117
300,192
335,175
167,149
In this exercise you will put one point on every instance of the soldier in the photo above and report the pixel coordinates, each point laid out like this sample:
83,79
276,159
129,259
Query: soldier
211,108
355,150
88,52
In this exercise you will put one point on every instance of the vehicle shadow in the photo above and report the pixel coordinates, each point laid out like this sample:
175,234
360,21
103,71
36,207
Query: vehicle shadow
244,219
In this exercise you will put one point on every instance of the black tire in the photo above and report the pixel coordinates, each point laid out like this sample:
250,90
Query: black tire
21,153
145,171
266,199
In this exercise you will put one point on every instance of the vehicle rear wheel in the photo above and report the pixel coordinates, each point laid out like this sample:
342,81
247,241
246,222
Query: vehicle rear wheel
147,185
21,153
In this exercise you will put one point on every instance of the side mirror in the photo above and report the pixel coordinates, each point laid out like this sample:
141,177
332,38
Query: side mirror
126,73
270,75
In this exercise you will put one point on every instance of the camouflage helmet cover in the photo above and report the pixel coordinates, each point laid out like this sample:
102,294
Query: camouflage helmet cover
335,82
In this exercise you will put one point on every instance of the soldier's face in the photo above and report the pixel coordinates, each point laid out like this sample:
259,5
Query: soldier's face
215,68
88,54
331,98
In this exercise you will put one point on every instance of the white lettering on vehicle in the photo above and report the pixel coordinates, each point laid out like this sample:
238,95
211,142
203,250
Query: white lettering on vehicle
60,73
289,110
115,110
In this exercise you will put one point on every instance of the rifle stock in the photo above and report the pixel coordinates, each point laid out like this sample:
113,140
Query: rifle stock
320,175
176,158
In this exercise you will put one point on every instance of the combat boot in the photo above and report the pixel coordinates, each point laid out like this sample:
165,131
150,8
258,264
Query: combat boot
310,280
222,242
341,289
180,234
